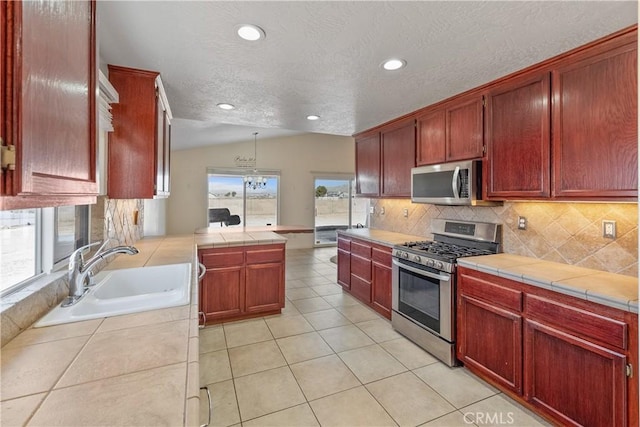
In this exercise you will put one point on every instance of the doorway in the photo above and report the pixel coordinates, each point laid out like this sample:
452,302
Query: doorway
336,208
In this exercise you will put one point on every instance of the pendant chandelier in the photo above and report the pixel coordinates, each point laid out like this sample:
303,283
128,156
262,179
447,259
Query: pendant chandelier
255,182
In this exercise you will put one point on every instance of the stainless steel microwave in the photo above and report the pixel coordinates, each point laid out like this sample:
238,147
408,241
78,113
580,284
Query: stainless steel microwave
458,183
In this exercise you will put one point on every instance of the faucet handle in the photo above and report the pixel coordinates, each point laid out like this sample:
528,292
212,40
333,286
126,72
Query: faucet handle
77,256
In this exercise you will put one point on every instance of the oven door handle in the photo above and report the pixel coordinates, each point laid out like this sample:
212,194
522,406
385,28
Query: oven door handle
441,277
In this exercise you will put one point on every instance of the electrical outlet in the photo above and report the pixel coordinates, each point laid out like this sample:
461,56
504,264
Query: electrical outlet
405,213
522,223
609,229
382,210
372,209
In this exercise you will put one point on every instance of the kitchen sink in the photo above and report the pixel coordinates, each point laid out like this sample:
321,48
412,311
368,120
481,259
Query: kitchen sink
125,291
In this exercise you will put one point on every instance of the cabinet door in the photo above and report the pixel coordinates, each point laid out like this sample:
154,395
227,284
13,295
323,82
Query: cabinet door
464,136
490,341
368,166
518,139
381,289
576,382
159,147
595,116
52,127
430,146
223,292
344,269
264,287
398,157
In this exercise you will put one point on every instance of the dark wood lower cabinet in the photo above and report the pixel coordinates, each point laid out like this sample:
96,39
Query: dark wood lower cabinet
242,282
566,358
578,382
364,270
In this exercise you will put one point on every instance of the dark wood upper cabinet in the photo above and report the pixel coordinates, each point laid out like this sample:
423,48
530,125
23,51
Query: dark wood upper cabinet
518,139
139,145
453,132
398,157
55,153
368,165
595,117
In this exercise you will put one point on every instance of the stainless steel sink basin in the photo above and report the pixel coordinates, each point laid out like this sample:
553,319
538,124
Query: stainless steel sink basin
126,291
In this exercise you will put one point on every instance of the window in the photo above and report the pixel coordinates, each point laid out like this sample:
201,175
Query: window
34,241
254,206
19,246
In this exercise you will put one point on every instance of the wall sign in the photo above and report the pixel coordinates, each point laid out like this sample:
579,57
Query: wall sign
245,161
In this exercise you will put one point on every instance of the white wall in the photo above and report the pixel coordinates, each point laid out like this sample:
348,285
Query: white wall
295,156
155,217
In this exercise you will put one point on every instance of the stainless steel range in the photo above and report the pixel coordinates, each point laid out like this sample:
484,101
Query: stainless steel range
423,282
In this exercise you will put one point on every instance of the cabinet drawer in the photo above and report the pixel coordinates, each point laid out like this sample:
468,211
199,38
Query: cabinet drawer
344,244
382,256
510,299
264,256
216,259
361,288
361,249
361,267
579,322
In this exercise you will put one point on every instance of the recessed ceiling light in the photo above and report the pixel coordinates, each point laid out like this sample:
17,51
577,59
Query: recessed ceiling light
313,117
226,106
394,64
251,32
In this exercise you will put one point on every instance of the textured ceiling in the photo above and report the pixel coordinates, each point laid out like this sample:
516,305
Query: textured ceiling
323,57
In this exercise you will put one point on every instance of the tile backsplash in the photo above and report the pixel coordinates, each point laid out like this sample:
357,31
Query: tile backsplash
116,219
569,233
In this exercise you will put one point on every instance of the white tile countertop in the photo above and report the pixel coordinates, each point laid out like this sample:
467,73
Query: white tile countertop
237,238
388,238
610,289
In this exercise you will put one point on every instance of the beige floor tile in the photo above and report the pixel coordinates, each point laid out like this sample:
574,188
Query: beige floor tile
358,313
324,376
329,289
214,367
225,406
300,415
253,358
117,401
16,412
294,284
310,305
409,354
146,318
212,339
345,338
341,300
248,332
300,274
298,348
454,419
325,270
288,325
408,399
457,385
379,330
371,363
54,333
355,407
35,368
326,319
316,280
300,293
500,410
129,350
266,392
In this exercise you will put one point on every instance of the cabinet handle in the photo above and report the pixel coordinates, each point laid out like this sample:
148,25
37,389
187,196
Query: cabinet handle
210,406
202,269
204,319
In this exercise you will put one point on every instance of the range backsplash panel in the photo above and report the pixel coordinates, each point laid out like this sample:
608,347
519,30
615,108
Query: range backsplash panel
569,233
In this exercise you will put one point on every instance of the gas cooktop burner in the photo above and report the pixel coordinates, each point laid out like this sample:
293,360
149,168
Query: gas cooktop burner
445,250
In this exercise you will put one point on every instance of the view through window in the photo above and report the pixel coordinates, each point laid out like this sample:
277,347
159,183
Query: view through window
254,207
18,246
336,208
71,230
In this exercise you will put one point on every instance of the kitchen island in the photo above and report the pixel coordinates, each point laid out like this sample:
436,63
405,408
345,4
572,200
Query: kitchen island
136,369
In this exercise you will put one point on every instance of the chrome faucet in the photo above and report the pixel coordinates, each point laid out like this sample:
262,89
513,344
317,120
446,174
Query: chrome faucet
79,270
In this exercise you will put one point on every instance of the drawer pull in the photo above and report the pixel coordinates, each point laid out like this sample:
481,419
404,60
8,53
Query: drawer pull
210,406
203,270
203,316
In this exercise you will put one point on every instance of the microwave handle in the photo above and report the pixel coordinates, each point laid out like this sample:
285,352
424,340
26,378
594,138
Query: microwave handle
455,183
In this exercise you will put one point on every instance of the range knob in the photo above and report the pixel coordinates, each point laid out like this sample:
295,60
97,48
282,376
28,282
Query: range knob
417,258
439,265
430,262
404,255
